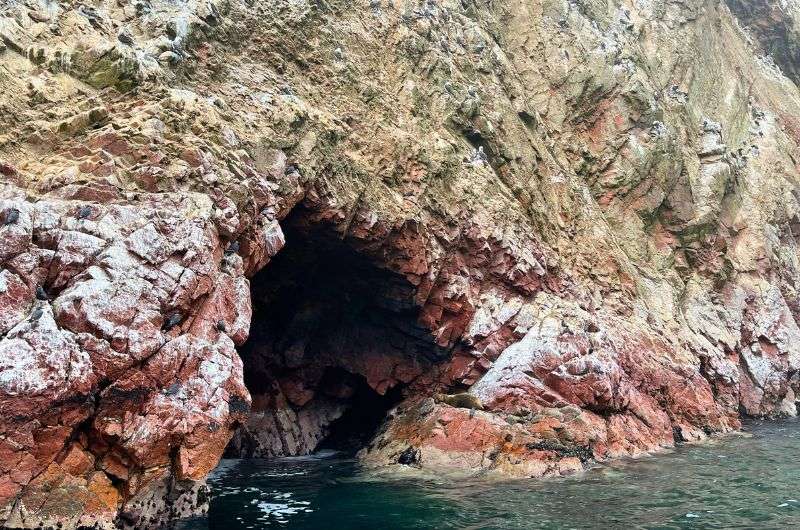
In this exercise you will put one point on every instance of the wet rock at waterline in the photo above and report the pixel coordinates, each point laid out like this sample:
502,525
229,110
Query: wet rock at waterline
268,229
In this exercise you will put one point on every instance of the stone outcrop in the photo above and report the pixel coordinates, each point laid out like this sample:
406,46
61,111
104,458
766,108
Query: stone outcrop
773,28
279,222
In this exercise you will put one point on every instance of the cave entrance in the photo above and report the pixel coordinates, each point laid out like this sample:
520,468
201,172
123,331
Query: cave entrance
360,422
334,344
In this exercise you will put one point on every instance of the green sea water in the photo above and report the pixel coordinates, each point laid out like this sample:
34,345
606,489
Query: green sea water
750,481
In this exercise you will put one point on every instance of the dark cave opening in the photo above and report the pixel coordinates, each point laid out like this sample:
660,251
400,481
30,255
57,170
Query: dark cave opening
359,423
334,344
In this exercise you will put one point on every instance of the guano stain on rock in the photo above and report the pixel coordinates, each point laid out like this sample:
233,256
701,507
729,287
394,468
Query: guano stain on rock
381,203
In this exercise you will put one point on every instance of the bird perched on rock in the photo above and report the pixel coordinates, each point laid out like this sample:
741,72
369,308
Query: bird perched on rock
41,294
177,46
478,157
169,57
85,212
92,15
171,321
125,38
11,217
36,314
290,169
233,248
221,325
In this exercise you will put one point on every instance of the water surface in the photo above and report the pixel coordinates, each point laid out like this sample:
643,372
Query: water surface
734,482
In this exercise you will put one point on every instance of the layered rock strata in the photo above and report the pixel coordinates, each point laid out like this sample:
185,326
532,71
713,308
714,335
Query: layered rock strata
583,213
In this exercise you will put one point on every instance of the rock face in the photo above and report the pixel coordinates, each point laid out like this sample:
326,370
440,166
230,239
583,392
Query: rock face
582,213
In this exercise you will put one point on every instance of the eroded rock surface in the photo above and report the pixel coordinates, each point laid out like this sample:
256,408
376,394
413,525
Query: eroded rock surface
584,213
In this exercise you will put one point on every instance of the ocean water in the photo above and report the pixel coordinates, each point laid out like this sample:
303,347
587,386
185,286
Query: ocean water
750,481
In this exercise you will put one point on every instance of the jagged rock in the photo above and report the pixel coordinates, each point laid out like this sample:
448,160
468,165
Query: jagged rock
612,270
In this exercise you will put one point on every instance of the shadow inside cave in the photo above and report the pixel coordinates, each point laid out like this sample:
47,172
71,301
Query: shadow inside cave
334,344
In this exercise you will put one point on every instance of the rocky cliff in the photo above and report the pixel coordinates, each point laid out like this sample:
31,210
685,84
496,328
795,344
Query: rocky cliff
270,227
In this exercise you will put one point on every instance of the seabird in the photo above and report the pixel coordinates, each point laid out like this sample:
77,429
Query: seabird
12,216
171,321
85,212
125,38
233,248
36,314
41,294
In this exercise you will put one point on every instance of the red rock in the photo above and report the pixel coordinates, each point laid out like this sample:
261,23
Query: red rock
591,282
77,460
